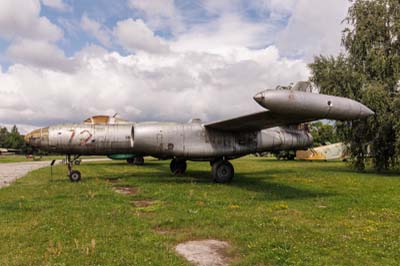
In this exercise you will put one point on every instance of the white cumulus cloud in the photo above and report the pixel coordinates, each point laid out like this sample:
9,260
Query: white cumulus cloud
21,18
314,27
100,32
134,35
159,14
57,4
229,31
42,54
173,86
154,8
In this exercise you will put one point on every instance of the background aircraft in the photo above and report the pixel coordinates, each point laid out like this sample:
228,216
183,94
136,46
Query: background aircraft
336,151
277,128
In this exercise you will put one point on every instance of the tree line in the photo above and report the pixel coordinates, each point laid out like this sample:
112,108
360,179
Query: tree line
12,139
368,71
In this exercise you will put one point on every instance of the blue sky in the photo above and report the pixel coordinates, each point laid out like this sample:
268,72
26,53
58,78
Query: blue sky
64,60
108,13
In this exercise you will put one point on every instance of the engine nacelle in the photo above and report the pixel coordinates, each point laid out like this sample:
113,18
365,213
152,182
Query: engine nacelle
279,138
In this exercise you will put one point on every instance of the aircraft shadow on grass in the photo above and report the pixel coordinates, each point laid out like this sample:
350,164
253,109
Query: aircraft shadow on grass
256,181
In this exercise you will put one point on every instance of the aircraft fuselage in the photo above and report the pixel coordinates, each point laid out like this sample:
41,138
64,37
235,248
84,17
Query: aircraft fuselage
189,141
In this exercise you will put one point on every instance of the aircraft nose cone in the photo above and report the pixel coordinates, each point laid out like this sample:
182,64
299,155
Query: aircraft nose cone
259,97
365,111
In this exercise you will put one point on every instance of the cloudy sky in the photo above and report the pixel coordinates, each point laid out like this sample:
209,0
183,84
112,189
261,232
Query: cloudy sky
65,60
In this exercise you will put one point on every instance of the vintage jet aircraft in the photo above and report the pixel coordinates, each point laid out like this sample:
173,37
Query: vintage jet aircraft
277,128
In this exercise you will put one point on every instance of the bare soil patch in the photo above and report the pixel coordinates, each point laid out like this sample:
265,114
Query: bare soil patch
126,190
112,180
142,203
209,252
162,231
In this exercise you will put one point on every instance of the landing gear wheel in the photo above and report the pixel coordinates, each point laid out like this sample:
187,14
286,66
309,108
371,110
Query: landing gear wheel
139,161
213,161
77,162
75,176
130,160
222,172
178,167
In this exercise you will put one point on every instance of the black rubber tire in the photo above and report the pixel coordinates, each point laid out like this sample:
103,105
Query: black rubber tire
222,172
178,167
77,162
75,176
139,161
130,160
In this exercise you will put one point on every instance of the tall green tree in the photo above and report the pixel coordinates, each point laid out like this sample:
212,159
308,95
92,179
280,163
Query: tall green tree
369,72
11,139
14,139
323,134
3,136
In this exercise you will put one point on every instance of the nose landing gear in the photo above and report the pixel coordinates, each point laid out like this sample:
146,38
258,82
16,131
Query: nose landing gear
74,175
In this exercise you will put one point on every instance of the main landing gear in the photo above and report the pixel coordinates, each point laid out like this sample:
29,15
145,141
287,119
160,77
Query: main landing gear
221,170
178,167
74,175
135,161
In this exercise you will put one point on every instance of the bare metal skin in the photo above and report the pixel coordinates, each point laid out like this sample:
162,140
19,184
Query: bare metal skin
278,128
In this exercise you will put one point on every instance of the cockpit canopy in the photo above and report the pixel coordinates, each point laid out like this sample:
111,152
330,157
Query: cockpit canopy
105,119
305,86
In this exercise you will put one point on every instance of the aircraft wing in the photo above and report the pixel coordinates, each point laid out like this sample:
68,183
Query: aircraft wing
258,121
288,107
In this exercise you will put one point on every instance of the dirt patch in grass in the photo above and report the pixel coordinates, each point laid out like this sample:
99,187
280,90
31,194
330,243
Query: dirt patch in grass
142,203
126,190
204,252
162,231
172,231
112,180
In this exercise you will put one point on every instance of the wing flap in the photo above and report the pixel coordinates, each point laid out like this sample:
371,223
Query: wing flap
258,121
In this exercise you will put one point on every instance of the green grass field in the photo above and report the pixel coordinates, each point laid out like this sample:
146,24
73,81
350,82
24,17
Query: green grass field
273,213
22,158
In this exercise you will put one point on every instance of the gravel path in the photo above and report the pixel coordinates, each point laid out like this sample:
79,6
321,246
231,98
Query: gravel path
9,172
